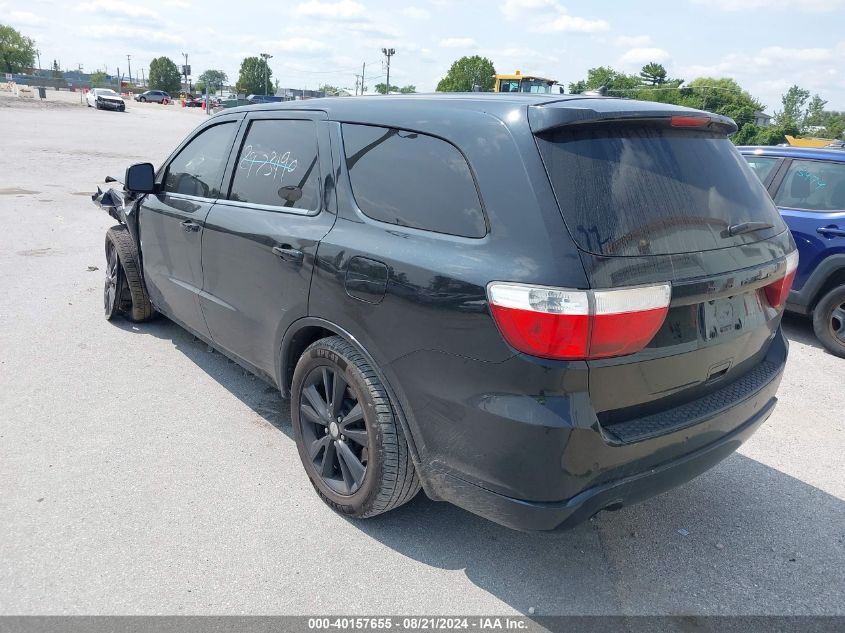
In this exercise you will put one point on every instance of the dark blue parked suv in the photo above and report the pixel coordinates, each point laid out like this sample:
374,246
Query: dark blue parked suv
808,186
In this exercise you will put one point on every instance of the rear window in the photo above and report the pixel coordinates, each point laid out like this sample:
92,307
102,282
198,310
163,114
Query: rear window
649,190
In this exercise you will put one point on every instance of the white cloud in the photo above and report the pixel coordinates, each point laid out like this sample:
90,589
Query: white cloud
551,16
573,24
141,37
301,45
810,6
522,8
777,54
632,41
119,9
342,9
416,13
639,56
458,42
25,18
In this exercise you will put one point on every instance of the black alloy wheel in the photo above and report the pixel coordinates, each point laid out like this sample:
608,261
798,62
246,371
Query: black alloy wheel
113,284
334,430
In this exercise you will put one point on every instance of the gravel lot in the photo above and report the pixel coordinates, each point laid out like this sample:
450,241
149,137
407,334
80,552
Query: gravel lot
142,474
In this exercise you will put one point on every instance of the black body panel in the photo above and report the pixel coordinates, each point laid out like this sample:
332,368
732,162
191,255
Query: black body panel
528,442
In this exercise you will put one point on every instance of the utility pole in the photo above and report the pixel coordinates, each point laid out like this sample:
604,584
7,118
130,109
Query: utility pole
128,58
363,72
185,69
38,54
357,83
143,79
388,52
265,57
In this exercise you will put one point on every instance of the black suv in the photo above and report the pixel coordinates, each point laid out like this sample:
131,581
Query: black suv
533,307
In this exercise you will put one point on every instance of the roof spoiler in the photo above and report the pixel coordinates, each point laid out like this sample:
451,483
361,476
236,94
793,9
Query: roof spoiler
553,115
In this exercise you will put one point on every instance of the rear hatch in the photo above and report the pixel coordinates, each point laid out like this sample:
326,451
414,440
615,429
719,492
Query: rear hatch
661,195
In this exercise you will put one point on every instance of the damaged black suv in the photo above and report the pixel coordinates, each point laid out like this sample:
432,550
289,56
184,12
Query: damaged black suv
533,307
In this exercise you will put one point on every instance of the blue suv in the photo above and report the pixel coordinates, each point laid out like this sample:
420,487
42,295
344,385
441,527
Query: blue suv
808,187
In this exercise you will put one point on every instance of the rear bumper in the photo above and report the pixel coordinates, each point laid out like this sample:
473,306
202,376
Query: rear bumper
530,516
543,462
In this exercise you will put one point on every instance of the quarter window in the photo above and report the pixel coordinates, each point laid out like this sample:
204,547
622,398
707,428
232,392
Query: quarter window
813,185
761,166
198,169
412,180
277,165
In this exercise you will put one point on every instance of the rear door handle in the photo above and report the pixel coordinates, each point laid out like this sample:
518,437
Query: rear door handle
831,231
188,226
288,253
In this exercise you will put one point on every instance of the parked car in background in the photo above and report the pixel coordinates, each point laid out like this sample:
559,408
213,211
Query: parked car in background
192,101
808,187
534,307
104,99
155,96
264,99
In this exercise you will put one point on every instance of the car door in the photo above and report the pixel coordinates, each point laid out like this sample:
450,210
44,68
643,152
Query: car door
171,221
811,197
261,239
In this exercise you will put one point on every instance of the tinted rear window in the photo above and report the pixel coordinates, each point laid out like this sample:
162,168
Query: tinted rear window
651,190
412,180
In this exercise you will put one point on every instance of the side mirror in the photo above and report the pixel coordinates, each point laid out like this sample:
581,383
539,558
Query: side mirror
140,178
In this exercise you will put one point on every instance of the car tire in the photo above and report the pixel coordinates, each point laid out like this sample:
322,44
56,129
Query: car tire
134,301
115,283
829,321
96,105
338,435
142,99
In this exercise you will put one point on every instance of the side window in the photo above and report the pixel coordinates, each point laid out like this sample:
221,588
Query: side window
198,169
814,185
412,180
761,166
277,165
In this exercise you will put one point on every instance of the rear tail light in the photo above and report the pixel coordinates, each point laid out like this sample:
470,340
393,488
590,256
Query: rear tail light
578,324
777,292
690,121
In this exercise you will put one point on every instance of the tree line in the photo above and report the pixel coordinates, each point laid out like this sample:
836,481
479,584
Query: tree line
800,112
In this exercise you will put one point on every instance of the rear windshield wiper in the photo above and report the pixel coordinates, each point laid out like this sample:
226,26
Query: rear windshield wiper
747,227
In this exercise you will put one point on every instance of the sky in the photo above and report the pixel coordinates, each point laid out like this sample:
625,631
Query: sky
766,45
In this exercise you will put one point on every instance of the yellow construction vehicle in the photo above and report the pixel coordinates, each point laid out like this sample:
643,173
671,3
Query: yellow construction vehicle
526,83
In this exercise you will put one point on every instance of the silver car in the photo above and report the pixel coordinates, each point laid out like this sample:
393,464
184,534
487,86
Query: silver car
157,96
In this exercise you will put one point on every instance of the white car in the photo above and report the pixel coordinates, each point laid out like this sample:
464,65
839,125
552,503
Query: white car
105,99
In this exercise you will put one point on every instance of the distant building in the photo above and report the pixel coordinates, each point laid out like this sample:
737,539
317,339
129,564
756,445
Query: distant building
761,119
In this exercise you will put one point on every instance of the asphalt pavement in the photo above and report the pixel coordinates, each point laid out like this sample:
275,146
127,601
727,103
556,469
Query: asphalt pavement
142,473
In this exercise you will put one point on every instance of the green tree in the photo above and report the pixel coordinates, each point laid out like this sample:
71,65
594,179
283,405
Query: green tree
164,75
468,72
653,74
613,80
409,89
212,80
382,88
57,73
815,111
793,107
255,77
17,52
329,90
99,79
